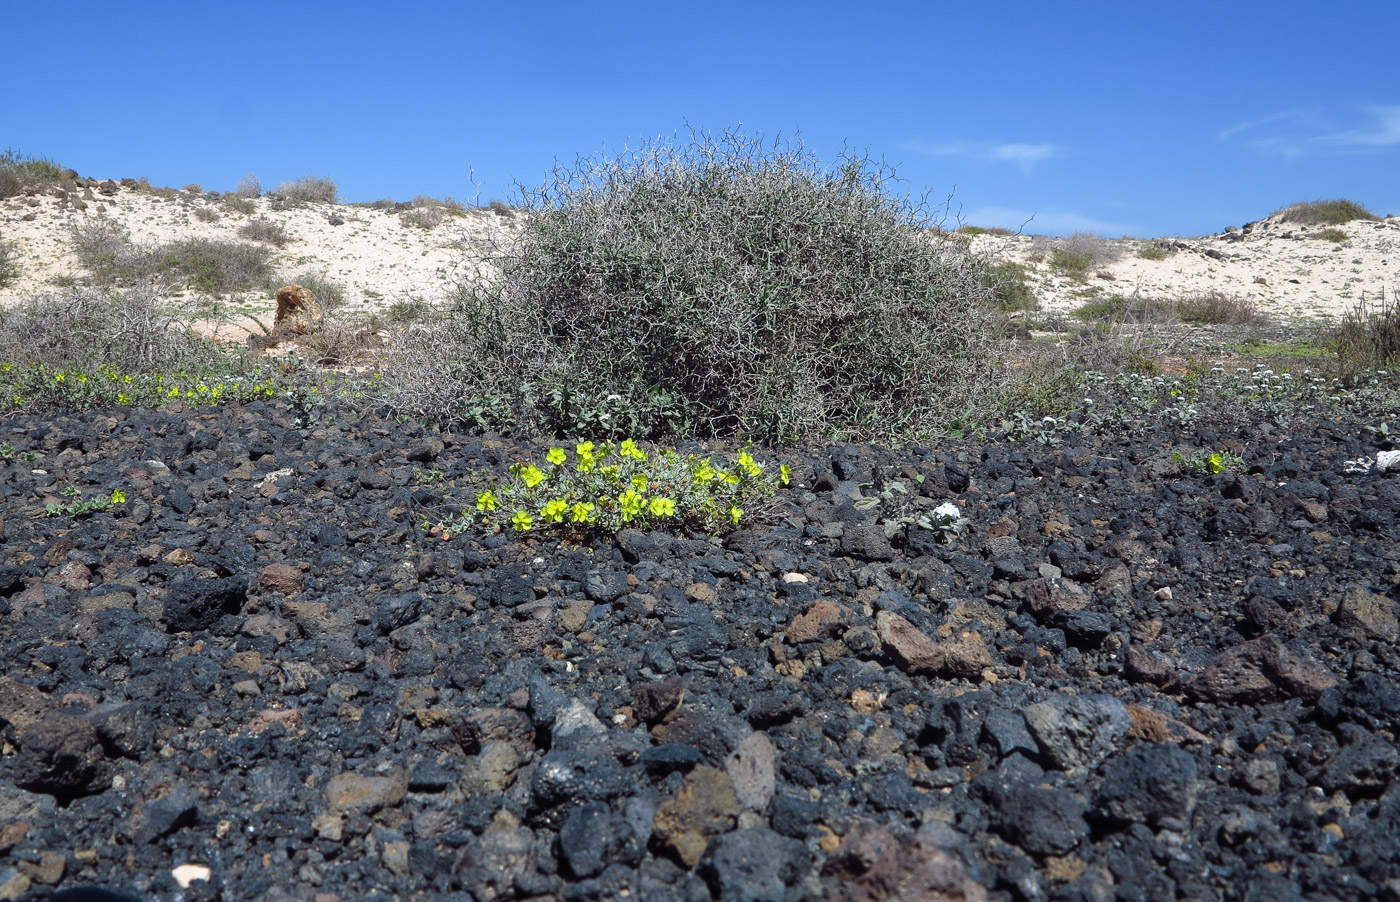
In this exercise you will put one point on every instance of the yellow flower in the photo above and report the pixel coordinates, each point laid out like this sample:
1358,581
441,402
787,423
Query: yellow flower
581,512
118,496
639,482
632,503
522,521
122,398
486,501
556,456
704,472
529,474
662,507
629,448
735,513
731,478
553,512
748,464
785,474
60,376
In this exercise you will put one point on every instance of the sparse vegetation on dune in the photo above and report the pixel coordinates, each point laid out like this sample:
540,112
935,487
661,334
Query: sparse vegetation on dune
20,172
1326,212
310,189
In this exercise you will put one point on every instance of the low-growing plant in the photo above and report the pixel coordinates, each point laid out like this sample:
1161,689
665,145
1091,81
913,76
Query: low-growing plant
1326,212
604,488
501,208
899,510
1206,462
9,264
1217,307
204,264
1366,338
266,231
193,188
983,230
206,214
1074,264
1009,289
1336,236
238,204
310,189
20,172
423,216
77,509
1157,250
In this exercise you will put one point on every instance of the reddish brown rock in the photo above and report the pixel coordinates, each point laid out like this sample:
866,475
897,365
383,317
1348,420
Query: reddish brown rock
282,579
355,794
1262,670
1046,596
298,311
821,620
965,655
875,867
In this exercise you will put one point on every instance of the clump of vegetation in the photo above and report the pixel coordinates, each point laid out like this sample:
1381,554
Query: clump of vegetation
310,189
1075,256
1009,289
20,173
1336,236
266,231
1208,463
9,264
86,347
193,188
1157,250
605,488
213,266
78,508
427,213
1366,338
1211,307
501,208
205,214
248,187
239,204
715,287
972,230
1326,212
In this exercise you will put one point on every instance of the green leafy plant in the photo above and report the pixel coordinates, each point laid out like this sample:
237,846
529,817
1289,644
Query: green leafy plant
266,231
76,509
1157,250
9,264
1009,289
20,172
1326,212
1206,462
899,510
602,488
1336,236
310,189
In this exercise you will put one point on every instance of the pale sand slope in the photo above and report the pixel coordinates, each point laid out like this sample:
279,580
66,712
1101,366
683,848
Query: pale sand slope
377,258
1283,268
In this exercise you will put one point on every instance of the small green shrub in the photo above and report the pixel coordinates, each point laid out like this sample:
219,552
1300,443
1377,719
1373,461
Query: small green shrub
1336,236
1074,264
715,287
1157,250
205,214
204,264
1218,308
239,204
1366,339
607,488
78,509
19,173
1009,289
310,189
9,264
193,189
1326,212
501,208
426,214
973,230
266,231
1206,463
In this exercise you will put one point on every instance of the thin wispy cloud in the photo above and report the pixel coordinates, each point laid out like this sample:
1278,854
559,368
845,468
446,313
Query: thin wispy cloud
1298,133
1023,156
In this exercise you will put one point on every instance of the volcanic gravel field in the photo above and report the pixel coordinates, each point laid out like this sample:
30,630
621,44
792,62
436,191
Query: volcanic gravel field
258,675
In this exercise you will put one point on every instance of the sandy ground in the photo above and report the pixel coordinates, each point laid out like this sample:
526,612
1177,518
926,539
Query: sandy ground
1285,269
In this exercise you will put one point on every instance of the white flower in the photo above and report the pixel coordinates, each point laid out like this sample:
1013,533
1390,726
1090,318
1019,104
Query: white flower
948,509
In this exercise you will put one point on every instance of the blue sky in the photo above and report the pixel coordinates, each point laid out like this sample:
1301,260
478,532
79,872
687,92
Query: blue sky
1112,117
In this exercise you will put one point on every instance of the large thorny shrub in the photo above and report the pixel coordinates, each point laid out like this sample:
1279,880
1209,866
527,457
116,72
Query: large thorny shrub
718,286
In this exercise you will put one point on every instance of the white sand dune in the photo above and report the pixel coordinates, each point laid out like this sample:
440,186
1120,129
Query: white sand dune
1285,269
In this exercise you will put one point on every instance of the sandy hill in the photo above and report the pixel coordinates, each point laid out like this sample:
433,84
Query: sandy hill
382,255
